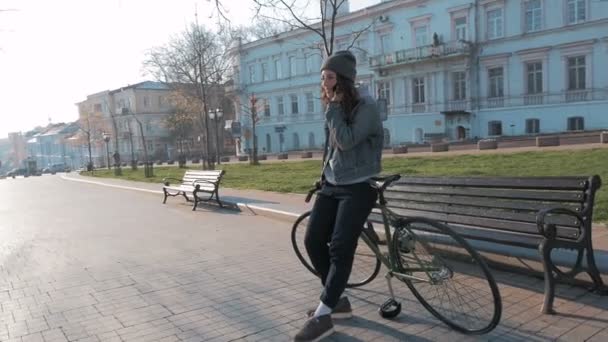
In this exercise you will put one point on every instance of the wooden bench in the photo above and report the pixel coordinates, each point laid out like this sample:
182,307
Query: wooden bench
194,183
543,213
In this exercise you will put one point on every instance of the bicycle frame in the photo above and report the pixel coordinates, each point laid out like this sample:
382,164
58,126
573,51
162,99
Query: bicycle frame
389,261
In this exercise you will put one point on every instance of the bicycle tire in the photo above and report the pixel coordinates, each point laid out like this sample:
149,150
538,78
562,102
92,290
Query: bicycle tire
364,268
474,305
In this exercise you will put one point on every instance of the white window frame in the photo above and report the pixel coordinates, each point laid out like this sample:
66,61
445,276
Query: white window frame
456,29
251,73
493,34
266,107
535,76
384,91
535,55
265,75
459,86
421,36
293,66
310,102
309,63
536,26
500,89
418,90
292,103
361,51
385,37
424,22
280,105
278,69
576,3
576,67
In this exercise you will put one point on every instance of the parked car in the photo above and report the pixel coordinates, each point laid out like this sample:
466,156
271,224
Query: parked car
17,172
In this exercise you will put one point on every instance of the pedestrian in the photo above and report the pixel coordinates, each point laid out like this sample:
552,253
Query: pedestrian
352,155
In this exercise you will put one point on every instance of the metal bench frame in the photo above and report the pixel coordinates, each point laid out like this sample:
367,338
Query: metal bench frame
543,213
195,183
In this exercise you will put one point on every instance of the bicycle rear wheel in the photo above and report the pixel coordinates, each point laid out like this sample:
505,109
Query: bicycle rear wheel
456,285
365,266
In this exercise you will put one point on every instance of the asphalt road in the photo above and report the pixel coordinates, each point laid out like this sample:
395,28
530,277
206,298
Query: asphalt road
83,262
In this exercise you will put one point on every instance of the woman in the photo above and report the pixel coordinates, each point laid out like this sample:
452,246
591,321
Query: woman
352,155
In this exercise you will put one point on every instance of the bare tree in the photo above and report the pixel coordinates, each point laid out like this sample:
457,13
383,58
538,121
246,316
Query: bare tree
196,58
292,14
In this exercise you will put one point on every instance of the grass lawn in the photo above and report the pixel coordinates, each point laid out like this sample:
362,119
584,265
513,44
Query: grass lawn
299,176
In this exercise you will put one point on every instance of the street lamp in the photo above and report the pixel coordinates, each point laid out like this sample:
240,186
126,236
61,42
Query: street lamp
106,138
217,116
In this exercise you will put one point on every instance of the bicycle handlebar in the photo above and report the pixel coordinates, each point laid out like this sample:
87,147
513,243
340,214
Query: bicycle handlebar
379,183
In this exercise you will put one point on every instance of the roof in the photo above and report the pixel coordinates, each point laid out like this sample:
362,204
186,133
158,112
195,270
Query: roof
145,85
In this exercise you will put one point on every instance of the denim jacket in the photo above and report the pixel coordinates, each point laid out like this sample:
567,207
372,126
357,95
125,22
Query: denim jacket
353,149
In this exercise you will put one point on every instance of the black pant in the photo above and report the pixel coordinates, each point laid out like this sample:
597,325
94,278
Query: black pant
337,218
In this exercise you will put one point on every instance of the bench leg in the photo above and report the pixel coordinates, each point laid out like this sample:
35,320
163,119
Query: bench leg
195,202
217,198
165,193
594,273
545,253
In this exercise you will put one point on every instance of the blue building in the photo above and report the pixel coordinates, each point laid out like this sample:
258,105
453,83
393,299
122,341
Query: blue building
449,69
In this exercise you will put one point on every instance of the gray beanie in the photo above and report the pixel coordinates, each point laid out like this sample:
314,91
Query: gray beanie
343,63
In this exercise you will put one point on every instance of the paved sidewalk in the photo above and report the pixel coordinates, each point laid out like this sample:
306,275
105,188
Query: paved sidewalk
581,315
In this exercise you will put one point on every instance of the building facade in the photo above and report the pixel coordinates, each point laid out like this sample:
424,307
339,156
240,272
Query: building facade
449,70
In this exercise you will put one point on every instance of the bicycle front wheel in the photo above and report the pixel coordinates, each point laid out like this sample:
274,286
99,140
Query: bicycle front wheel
365,265
449,278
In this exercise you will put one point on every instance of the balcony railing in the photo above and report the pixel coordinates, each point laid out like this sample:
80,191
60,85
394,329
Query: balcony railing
458,105
534,99
494,102
300,117
419,107
413,55
577,95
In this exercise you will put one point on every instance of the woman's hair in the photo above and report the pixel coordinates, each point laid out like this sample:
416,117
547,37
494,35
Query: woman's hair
350,95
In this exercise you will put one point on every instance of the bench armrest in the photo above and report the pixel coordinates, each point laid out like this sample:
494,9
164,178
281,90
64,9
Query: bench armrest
548,229
166,180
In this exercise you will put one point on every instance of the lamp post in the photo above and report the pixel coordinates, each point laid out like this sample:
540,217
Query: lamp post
106,138
217,116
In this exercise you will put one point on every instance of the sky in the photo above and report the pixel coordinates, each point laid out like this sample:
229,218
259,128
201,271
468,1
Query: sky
53,53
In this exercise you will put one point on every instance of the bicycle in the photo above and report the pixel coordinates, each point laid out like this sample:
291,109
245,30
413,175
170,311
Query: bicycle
419,253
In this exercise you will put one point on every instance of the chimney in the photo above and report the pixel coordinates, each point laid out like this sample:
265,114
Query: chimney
342,10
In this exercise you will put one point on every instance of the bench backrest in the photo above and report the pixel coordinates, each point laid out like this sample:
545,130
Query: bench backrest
506,204
213,176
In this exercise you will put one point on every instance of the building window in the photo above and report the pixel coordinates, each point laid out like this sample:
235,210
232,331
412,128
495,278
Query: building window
281,107
296,141
268,143
266,107
278,72
533,15
265,72
148,126
421,34
294,104
310,103
460,85
146,102
160,102
251,73
292,66
361,51
460,28
311,140
385,43
495,128
532,126
384,91
576,11
576,123
418,90
97,107
495,76
576,73
494,23
535,77
309,64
